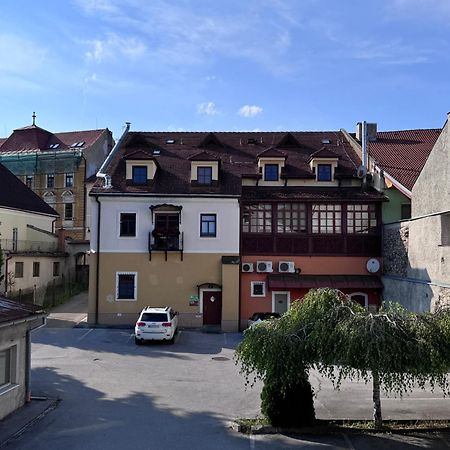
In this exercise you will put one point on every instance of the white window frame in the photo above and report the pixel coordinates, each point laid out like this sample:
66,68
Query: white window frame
68,219
118,225
65,179
281,292
135,286
13,368
46,181
32,181
256,283
366,298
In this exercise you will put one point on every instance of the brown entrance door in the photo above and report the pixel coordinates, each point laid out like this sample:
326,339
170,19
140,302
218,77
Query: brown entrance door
212,307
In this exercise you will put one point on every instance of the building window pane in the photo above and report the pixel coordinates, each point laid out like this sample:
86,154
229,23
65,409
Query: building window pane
5,367
69,180
139,174
271,172
126,286
68,211
128,224
326,218
324,172
36,269
204,175
167,231
291,218
257,218
361,219
207,225
56,269
50,181
29,181
18,270
258,289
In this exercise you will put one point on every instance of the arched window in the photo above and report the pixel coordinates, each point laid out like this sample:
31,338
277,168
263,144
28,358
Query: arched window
67,197
361,298
49,197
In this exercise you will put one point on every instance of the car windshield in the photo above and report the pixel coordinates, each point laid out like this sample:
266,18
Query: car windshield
154,317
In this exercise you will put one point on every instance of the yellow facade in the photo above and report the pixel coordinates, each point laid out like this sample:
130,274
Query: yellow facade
175,282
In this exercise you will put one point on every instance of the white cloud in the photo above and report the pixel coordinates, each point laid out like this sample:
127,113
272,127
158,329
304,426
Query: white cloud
20,56
114,47
207,108
250,110
94,6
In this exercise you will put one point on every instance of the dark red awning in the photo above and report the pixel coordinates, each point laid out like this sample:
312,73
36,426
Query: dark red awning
295,281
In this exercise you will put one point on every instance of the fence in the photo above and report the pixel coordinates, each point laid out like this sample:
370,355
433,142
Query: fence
50,295
14,245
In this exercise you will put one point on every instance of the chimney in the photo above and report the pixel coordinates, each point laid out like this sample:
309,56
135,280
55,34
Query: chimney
371,129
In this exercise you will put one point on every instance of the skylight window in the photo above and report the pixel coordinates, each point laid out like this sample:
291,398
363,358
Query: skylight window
170,141
156,152
80,144
53,146
326,141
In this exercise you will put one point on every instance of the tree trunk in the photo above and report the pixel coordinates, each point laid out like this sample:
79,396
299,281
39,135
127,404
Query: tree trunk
376,400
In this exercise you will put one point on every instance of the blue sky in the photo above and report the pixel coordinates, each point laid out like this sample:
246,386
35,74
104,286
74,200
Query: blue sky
224,64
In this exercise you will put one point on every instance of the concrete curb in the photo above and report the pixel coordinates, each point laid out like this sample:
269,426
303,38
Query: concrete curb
27,425
339,426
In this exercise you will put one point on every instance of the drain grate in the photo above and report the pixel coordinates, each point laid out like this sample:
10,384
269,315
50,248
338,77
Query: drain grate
220,358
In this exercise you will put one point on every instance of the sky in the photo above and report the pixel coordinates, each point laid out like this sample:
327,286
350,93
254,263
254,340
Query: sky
224,65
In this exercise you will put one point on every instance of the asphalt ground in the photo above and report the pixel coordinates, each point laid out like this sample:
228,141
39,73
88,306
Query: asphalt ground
95,388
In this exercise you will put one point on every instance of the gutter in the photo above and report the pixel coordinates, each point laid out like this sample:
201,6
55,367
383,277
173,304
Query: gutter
102,171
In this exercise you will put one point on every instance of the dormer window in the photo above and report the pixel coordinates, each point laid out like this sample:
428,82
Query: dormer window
139,174
324,172
204,175
141,167
271,172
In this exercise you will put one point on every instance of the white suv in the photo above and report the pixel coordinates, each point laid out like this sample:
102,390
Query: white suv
157,324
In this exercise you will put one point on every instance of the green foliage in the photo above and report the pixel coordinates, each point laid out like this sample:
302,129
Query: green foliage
329,332
292,406
2,276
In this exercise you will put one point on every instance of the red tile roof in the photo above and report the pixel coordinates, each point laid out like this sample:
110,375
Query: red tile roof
34,138
402,154
15,195
236,151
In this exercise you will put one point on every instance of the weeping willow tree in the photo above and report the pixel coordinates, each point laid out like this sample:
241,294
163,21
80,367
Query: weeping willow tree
2,277
394,349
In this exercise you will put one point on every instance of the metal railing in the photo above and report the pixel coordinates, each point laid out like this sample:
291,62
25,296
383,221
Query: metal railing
13,245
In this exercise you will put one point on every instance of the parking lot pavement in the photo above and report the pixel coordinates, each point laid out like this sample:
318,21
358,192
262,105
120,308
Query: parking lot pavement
117,395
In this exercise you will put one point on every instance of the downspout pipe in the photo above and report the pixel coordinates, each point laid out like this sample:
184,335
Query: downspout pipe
102,171
97,274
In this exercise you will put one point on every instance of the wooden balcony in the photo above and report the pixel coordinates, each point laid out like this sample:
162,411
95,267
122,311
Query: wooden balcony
312,244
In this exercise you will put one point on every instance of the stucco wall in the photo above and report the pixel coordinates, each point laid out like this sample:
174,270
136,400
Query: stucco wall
12,396
426,281
392,210
162,283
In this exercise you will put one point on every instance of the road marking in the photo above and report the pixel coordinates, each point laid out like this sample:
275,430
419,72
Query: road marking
348,442
251,439
85,334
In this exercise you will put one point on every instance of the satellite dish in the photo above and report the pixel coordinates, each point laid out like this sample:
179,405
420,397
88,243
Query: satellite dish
373,265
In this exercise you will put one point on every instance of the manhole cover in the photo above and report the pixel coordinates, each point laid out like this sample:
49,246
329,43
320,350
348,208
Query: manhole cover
220,358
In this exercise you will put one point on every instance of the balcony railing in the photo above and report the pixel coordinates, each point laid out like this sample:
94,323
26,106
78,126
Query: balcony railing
163,242
312,244
12,245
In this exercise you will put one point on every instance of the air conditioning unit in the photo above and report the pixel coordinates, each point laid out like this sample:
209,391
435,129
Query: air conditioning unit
264,266
286,267
247,267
